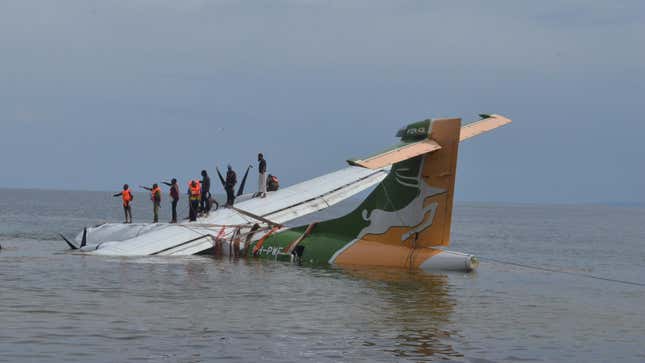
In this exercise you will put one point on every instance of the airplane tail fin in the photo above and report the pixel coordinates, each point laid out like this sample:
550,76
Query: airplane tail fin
413,205
411,209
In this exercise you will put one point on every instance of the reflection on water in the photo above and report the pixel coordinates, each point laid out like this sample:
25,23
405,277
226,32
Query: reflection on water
419,306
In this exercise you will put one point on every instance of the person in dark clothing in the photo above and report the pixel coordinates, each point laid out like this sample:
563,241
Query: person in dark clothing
231,180
262,176
127,197
174,198
206,192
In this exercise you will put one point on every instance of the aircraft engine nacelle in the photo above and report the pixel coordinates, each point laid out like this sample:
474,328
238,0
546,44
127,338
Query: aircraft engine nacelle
415,131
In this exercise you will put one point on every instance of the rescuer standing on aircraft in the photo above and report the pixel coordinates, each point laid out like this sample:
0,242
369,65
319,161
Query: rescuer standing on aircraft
174,196
231,180
155,197
127,197
195,194
262,176
206,192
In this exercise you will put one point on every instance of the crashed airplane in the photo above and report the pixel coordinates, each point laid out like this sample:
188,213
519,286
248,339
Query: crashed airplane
404,222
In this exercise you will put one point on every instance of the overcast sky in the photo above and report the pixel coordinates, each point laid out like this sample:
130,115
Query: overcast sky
97,93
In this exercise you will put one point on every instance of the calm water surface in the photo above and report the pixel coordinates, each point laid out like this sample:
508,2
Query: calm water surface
57,307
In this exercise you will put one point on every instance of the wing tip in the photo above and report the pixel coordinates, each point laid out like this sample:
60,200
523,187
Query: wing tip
355,162
505,119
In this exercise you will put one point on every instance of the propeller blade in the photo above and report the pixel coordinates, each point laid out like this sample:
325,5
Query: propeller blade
70,244
241,190
84,240
221,178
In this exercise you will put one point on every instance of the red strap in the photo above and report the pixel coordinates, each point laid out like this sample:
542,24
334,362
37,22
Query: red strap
293,244
264,238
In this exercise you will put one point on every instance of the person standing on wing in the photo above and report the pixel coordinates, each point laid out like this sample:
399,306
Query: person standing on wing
231,180
206,192
127,197
195,194
174,196
155,197
262,176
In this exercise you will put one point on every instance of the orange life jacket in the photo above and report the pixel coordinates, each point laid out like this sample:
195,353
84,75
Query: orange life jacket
195,191
154,192
126,196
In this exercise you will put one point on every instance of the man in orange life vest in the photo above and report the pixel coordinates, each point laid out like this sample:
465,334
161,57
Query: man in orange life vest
195,195
155,197
127,197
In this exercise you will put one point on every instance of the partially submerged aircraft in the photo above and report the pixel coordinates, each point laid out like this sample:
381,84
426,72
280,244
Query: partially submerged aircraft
404,222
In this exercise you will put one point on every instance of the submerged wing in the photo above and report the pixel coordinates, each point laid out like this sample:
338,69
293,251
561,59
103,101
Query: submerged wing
279,207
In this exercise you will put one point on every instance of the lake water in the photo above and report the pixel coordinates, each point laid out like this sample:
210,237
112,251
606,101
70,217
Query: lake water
58,307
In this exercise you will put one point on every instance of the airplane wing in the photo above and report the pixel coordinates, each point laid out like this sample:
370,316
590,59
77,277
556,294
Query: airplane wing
190,238
314,194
